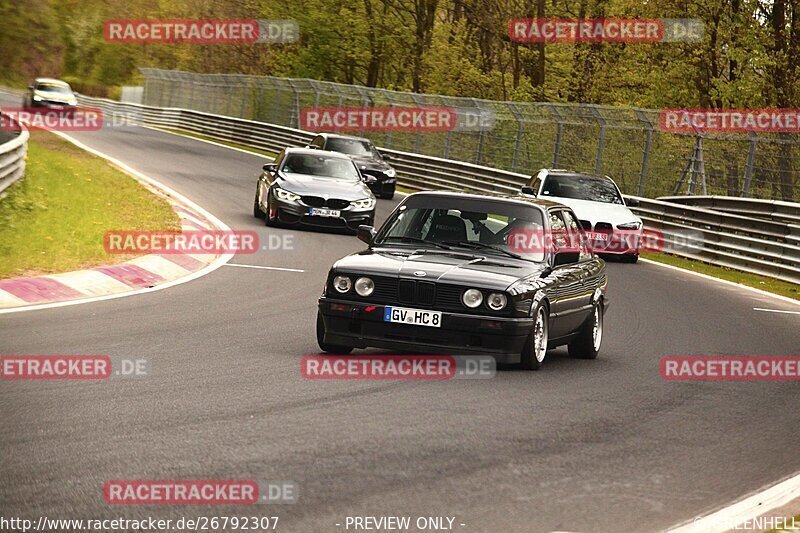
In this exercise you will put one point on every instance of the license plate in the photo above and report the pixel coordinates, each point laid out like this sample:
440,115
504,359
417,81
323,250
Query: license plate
322,212
416,317
598,236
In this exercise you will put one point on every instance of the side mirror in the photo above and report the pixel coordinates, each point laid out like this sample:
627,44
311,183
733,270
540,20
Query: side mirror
270,167
527,189
30,87
366,234
368,179
632,202
565,258
386,157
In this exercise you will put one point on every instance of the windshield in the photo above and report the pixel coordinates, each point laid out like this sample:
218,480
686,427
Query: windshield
582,188
351,147
320,165
487,226
53,88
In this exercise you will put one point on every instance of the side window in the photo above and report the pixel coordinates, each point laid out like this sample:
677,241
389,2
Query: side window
318,141
576,236
558,232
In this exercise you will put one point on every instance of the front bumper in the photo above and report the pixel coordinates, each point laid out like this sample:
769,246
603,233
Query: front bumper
361,325
616,243
292,213
50,104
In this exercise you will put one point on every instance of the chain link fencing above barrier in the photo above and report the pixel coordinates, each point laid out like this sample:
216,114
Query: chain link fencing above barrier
624,143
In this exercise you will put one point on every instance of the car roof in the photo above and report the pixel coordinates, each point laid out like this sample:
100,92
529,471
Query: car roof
51,80
312,151
511,197
341,136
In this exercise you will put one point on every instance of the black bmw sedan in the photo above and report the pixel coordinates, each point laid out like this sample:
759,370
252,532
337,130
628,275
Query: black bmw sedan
381,177
313,188
464,274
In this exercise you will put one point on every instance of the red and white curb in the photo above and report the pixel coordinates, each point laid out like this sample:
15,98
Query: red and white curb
141,274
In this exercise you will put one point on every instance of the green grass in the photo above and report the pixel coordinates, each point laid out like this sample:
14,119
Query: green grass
784,288
226,143
54,219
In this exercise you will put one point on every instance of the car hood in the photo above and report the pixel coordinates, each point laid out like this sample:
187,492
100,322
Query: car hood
369,163
58,97
597,211
483,271
304,184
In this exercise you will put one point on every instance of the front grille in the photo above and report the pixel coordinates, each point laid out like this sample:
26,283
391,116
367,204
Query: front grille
318,201
335,203
603,226
427,294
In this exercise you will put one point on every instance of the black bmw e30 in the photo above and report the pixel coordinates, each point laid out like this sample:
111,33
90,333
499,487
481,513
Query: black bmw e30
445,274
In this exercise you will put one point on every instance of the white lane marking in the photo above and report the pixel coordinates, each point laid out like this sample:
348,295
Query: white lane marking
221,260
265,267
725,281
777,311
209,142
747,509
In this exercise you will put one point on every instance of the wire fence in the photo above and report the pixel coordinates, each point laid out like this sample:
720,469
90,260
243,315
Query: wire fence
625,143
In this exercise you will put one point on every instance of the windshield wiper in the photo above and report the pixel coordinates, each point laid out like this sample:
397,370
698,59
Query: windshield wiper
405,238
483,246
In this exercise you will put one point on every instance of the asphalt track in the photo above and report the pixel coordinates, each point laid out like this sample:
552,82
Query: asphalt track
602,445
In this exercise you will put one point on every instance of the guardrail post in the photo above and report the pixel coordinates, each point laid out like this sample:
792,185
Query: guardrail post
648,136
748,169
601,141
559,135
518,142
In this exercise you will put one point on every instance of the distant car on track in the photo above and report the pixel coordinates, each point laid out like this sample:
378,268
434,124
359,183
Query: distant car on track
611,227
313,188
49,93
381,177
442,276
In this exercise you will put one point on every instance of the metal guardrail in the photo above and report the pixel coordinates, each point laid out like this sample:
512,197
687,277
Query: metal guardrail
12,158
772,209
747,243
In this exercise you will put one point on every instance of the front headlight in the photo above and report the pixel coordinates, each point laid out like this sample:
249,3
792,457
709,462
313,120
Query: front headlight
496,301
72,101
364,287
364,203
286,196
37,98
390,173
472,298
630,225
342,284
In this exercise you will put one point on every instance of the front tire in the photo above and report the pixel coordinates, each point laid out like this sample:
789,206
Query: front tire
535,349
324,346
631,258
271,217
257,212
587,344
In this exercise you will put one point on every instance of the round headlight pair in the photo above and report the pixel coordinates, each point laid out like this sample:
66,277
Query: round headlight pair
364,286
473,298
